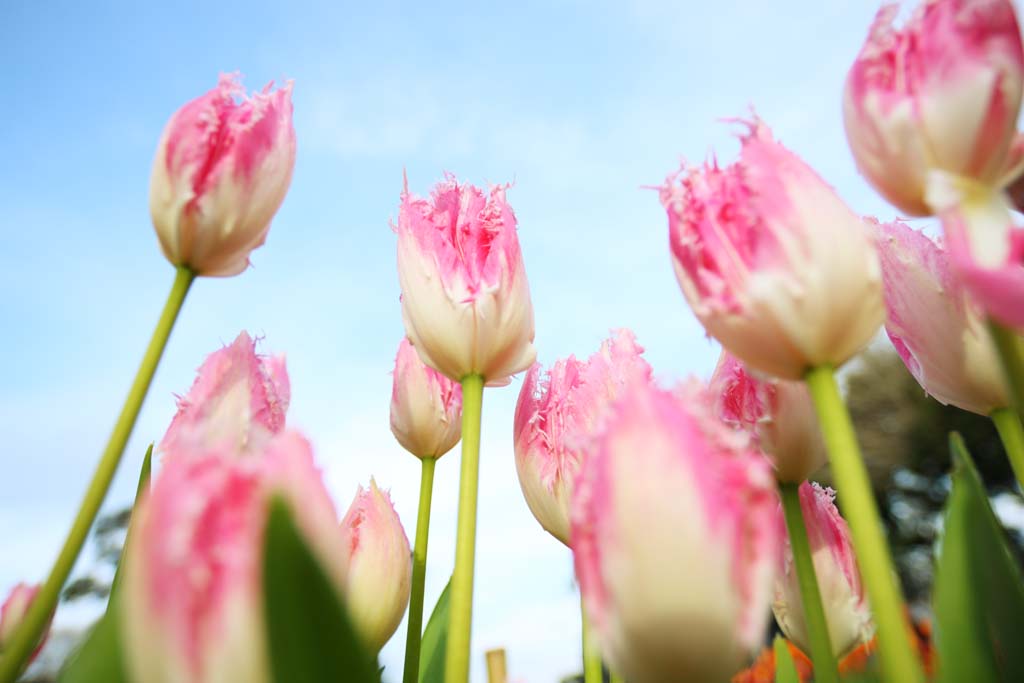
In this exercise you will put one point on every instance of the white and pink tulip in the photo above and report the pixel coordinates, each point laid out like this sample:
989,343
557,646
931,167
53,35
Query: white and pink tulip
937,329
379,576
778,415
557,413
221,172
674,539
238,401
986,245
426,406
12,612
465,298
940,93
773,263
842,594
192,607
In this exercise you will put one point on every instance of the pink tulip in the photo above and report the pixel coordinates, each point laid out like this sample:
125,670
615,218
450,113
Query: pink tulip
774,265
937,330
555,416
842,595
986,247
193,598
778,414
380,565
237,402
674,539
426,406
941,93
13,611
465,299
221,172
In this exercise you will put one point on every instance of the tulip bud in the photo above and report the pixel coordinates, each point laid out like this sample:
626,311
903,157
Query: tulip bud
985,246
942,93
237,402
13,611
842,595
674,539
380,565
556,414
465,299
774,265
221,172
937,330
778,414
193,598
426,406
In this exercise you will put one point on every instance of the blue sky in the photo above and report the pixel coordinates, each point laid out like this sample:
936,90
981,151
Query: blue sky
580,103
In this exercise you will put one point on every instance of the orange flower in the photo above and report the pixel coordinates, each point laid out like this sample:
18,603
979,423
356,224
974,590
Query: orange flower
763,668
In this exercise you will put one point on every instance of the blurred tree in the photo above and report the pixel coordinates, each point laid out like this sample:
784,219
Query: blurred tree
108,540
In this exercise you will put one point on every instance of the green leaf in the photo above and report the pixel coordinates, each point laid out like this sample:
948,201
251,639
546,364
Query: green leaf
99,656
311,638
979,596
142,487
785,669
435,640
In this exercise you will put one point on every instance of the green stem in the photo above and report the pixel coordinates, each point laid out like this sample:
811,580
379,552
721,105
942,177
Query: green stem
825,670
461,617
616,678
899,661
1008,345
31,628
1011,432
591,653
419,574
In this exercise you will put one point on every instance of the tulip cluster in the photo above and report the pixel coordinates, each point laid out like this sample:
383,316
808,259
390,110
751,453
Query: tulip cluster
193,608
688,506
931,114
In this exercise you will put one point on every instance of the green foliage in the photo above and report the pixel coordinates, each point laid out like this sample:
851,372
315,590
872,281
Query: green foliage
979,595
141,488
785,669
99,657
435,640
310,636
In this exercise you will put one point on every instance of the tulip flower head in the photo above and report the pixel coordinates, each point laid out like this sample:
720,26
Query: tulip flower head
12,612
380,565
778,414
842,595
193,597
426,406
774,265
221,171
938,331
986,246
674,539
940,93
465,298
238,401
555,416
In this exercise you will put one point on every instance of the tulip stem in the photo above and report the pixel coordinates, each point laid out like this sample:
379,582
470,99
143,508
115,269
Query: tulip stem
419,573
898,658
1009,348
461,616
27,635
591,653
1011,432
825,670
616,678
